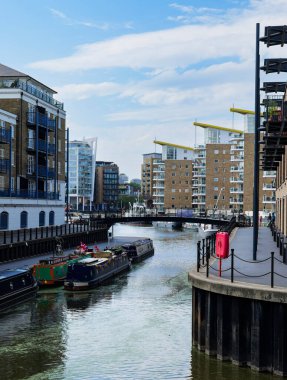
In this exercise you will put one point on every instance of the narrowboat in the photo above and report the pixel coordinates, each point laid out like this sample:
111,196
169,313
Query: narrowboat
139,250
90,272
53,271
16,285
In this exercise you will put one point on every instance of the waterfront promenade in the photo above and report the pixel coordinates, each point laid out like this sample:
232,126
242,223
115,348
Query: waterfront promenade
245,268
241,315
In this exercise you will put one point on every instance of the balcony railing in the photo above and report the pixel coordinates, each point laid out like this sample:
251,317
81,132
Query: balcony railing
31,194
42,145
269,199
31,90
34,117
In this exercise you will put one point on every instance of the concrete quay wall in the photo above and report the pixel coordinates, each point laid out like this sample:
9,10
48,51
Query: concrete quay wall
240,322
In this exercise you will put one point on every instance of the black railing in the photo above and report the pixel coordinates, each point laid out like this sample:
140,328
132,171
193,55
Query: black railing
206,252
28,234
205,265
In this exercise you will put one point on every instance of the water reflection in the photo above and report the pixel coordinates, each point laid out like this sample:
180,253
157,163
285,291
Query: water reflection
80,301
136,327
32,338
209,368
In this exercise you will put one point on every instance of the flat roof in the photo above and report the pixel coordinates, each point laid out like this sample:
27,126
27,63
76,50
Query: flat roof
173,145
204,125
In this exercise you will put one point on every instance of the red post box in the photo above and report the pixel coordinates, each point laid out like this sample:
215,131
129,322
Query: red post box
222,245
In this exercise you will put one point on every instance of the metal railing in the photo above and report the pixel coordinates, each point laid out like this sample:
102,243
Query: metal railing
206,252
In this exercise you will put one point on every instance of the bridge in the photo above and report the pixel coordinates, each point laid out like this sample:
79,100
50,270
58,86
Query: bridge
111,219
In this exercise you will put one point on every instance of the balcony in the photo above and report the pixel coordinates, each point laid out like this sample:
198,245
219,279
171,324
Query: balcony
237,158
237,201
236,190
43,146
269,199
199,174
236,148
30,194
236,179
31,90
269,186
237,169
158,186
37,118
269,174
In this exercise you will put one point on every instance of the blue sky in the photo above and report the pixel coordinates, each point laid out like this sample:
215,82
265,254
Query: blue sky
130,71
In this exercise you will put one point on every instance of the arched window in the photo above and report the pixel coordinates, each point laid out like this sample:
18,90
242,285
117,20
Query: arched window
23,219
51,218
4,220
42,218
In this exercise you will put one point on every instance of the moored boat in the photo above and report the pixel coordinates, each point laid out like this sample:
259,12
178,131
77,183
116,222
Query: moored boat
16,285
53,271
139,250
90,272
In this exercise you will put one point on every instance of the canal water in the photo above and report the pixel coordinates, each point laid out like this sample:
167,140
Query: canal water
137,327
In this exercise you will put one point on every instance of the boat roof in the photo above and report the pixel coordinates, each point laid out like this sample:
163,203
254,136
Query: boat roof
92,260
7,273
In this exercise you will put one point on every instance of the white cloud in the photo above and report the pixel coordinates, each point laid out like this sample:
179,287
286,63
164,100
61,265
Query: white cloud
177,47
70,21
190,72
85,90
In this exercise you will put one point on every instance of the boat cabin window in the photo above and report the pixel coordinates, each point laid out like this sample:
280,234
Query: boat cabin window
23,219
4,220
42,218
11,285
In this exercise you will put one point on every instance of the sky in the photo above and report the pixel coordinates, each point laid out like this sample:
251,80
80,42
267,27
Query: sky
132,71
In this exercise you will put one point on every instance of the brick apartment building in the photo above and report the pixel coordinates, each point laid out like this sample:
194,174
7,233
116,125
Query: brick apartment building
32,152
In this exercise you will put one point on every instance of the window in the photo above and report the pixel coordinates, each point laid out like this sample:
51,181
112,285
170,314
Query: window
173,190
59,167
13,158
215,179
23,219
4,220
215,170
186,174
12,183
173,182
215,161
173,166
42,218
173,174
51,218
215,188
215,197
216,151
12,131
224,151
186,166
59,145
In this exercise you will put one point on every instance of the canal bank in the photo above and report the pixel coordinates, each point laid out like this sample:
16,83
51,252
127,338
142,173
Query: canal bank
243,322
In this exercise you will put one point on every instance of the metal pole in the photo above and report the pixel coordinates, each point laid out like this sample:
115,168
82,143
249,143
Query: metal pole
256,145
67,178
